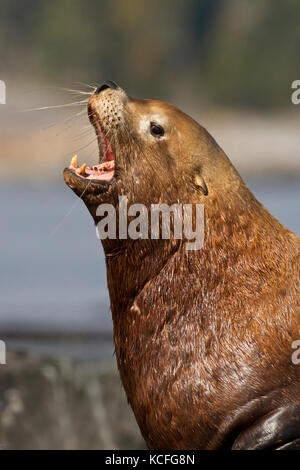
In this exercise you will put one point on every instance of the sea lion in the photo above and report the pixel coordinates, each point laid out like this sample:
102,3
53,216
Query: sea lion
204,337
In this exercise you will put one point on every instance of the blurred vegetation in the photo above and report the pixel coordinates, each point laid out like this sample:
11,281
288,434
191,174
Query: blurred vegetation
231,52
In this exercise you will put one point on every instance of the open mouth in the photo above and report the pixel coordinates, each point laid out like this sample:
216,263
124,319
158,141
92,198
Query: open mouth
97,177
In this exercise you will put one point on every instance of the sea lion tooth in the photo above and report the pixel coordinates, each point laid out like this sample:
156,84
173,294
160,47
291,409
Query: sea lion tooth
81,170
74,161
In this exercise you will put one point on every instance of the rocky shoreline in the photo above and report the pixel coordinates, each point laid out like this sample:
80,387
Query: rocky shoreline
64,404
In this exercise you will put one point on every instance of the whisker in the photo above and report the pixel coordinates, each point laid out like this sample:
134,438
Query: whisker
87,85
68,119
67,105
85,146
81,135
57,227
71,90
89,154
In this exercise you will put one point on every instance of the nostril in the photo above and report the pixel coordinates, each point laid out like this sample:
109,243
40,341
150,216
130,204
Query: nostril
101,88
105,85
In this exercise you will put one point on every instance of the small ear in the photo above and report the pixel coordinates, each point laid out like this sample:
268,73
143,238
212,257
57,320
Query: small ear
200,183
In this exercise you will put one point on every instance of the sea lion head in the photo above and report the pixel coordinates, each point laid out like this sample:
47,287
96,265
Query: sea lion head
149,150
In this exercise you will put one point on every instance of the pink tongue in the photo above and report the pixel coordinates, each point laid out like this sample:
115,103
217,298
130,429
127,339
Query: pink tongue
104,171
107,176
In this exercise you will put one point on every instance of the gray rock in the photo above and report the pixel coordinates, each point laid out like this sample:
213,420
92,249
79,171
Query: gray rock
63,404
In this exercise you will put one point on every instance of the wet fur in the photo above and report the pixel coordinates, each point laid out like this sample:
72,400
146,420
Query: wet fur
203,338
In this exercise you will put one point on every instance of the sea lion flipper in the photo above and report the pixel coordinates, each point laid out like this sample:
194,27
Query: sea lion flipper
279,430
295,445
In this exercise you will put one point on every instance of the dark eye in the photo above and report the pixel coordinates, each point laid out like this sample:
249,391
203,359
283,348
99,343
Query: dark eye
156,130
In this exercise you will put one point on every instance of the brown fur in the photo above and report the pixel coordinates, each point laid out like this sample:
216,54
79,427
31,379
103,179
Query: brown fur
203,338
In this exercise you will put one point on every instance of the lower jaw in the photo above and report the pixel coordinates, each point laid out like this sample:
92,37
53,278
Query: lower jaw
90,179
84,185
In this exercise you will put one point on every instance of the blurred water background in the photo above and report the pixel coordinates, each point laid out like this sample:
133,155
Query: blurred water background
53,282
229,64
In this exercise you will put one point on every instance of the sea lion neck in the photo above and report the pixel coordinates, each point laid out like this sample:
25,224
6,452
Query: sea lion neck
130,266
